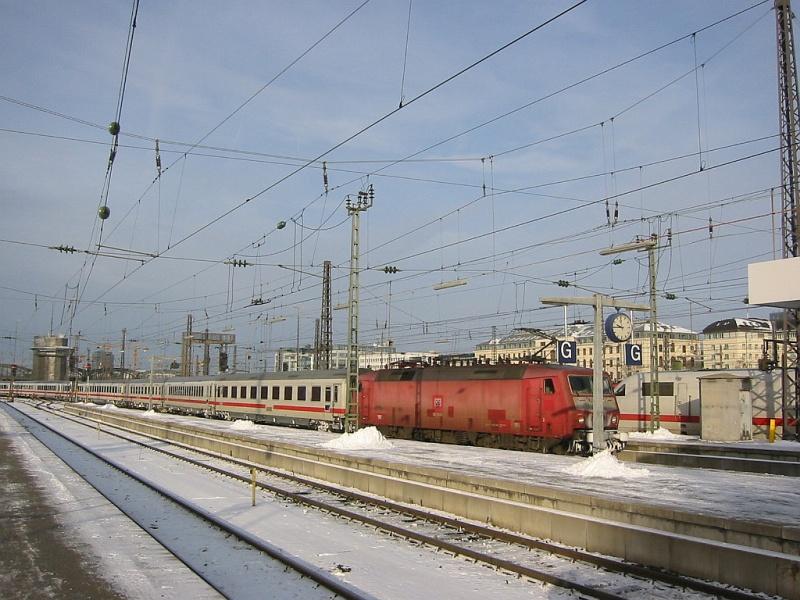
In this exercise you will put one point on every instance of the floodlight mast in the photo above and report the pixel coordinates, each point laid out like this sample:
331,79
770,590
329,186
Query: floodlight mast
650,245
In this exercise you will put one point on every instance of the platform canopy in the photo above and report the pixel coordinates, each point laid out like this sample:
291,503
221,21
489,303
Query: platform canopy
775,283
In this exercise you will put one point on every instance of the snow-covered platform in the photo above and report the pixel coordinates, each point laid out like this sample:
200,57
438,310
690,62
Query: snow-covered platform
732,527
665,448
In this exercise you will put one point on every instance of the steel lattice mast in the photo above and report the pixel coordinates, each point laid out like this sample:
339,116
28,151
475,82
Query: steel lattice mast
789,117
326,318
354,209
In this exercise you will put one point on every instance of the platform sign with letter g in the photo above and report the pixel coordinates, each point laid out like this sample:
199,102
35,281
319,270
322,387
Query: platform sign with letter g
567,352
633,355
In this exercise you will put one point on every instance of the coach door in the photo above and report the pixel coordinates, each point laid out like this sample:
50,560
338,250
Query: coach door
536,389
418,402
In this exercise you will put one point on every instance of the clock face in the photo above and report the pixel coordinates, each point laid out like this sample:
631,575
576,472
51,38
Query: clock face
618,327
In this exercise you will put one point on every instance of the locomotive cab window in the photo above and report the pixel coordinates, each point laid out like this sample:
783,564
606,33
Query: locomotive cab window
549,386
583,384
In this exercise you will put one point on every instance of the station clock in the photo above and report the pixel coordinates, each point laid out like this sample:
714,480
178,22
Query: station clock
619,327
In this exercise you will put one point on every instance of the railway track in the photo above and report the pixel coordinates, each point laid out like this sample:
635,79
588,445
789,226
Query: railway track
584,573
243,565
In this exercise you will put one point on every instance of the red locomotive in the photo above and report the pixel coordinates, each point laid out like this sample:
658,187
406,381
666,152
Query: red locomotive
520,407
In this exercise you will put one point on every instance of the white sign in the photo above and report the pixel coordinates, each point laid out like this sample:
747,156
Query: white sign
567,352
633,355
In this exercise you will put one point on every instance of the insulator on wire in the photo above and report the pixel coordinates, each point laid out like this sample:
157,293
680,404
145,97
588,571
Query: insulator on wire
710,228
669,236
158,159
616,211
608,214
325,175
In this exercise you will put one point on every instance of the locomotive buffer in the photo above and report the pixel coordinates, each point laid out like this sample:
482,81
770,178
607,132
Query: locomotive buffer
598,301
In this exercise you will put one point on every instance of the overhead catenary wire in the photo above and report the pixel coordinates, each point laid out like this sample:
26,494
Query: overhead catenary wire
366,128
114,129
165,257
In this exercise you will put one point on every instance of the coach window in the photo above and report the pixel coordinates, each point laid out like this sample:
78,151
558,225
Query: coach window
327,394
287,392
243,392
225,391
301,392
316,393
276,392
253,392
549,387
264,392
234,391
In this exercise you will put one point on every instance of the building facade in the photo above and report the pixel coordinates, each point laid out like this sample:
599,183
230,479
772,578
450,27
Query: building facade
678,348
369,357
735,343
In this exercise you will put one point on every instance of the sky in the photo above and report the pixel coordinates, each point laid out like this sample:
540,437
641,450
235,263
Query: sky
498,175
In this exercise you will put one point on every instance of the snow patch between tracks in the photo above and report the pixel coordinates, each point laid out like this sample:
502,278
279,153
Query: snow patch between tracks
368,438
605,464
658,434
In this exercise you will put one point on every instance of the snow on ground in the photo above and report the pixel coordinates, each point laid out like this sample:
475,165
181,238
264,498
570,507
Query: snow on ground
368,438
243,425
605,464
378,564
660,434
110,407
123,554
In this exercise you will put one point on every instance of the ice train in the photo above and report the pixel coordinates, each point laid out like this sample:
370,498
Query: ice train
527,407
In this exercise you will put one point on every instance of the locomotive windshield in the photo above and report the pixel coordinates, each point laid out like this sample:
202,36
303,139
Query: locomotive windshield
581,386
